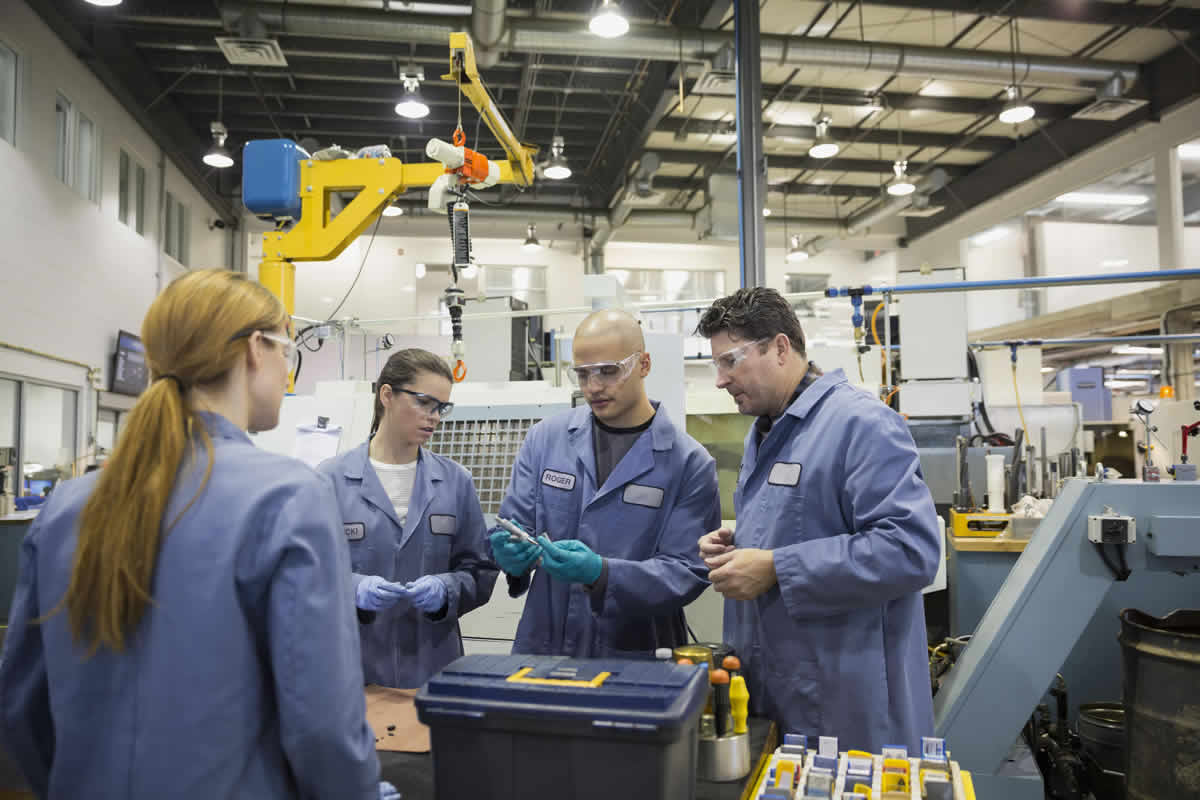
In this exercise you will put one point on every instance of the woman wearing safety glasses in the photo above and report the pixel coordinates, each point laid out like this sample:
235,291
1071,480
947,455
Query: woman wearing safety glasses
412,519
182,626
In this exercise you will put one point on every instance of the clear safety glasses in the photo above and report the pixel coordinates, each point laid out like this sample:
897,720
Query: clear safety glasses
290,351
728,361
427,402
606,373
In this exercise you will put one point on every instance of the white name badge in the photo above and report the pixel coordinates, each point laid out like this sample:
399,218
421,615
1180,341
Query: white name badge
784,474
650,496
559,480
354,530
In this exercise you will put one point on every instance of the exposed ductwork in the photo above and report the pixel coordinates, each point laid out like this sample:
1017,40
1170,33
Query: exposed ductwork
487,29
862,221
568,38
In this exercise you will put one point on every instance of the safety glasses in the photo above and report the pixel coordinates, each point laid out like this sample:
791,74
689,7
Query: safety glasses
606,373
427,402
289,347
728,361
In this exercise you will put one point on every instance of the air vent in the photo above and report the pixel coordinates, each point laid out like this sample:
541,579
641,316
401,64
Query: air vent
927,211
716,82
650,199
249,52
1109,108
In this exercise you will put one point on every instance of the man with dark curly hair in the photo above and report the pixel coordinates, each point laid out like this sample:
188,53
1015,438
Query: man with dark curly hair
836,536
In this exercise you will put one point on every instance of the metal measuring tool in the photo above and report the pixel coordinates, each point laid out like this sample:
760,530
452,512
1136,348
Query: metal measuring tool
514,530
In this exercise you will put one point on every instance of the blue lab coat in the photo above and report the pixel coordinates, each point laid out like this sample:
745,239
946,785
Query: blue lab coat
242,680
838,647
444,536
645,521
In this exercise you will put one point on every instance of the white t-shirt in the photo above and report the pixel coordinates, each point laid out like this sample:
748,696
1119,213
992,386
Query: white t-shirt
397,480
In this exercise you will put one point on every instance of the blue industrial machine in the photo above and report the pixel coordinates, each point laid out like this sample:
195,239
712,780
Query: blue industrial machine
1086,385
1096,534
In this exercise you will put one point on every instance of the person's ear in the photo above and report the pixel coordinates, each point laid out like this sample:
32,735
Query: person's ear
256,350
644,364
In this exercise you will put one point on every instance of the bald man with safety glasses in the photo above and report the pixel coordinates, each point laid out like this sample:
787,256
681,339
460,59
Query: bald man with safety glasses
619,495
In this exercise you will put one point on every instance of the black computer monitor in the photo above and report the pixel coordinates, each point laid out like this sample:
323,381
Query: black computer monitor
129,371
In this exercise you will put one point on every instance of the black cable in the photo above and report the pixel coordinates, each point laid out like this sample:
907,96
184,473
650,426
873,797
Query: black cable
299,364
1118,574
360,269
1125,571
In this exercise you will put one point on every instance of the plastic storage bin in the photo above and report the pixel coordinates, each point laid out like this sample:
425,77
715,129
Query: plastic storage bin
521,727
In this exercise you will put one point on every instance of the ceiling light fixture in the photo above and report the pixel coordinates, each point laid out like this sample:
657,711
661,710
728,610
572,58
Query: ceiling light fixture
531,241
796,251
900,185
557,168
420,270
104,3
411,106
1016,110
823,145
1102,199
608,22
1190,151
217,156
766,212
392,210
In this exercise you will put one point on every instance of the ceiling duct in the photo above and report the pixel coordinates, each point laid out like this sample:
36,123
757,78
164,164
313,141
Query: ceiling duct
720,76
1110,103
551,36
250,46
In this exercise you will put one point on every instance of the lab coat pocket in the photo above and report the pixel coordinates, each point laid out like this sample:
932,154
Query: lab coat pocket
437,554
361,555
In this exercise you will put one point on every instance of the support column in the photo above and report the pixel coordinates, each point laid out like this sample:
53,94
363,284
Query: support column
1178,364
751,161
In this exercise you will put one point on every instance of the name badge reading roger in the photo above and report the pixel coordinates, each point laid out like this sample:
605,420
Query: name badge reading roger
354,530
443,523
649,496
559,480
784,474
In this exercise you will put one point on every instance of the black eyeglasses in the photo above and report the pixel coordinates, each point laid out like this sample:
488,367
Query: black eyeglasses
427,402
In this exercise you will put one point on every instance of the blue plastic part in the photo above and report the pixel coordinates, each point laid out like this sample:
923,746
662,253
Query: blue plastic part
933,748
797,739
824,763
271,178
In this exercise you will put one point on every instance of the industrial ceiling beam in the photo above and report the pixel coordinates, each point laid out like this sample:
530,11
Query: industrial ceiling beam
1171,80
899,101
712,159
805,133
1166,15
674,44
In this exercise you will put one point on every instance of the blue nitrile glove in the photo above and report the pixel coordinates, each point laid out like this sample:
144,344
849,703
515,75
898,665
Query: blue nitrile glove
515,558
376,594
387,791
427,593
570,560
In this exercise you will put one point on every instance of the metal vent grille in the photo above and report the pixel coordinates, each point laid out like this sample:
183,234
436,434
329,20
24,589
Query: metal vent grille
927,211
1109,108
250,52
718,82
487,448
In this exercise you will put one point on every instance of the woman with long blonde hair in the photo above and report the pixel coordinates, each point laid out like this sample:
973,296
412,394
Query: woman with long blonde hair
183,625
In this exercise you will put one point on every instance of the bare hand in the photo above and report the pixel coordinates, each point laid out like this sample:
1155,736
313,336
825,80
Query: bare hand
742,574
715,543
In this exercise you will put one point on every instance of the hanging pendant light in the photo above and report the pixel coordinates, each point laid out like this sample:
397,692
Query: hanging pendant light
557,168
823,145
1016,110
900,185
531,241
608,22
796,251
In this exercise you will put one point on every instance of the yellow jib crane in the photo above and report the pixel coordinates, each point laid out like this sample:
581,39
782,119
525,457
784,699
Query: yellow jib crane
283,182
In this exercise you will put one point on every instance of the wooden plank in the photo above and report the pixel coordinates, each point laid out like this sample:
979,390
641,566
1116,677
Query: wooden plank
983,544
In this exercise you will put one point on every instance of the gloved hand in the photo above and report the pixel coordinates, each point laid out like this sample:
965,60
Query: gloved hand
515,558
570,560
427,593
376,594
387,791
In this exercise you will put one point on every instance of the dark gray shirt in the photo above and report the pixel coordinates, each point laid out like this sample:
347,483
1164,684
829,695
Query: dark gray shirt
611,444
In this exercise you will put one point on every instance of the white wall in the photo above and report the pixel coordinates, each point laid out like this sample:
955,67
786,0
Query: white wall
995,259
71,274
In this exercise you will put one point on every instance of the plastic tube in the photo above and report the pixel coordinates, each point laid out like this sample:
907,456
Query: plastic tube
995,482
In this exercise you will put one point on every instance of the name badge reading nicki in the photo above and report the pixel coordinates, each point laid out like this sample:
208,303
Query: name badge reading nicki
559,480
784,474
354,531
